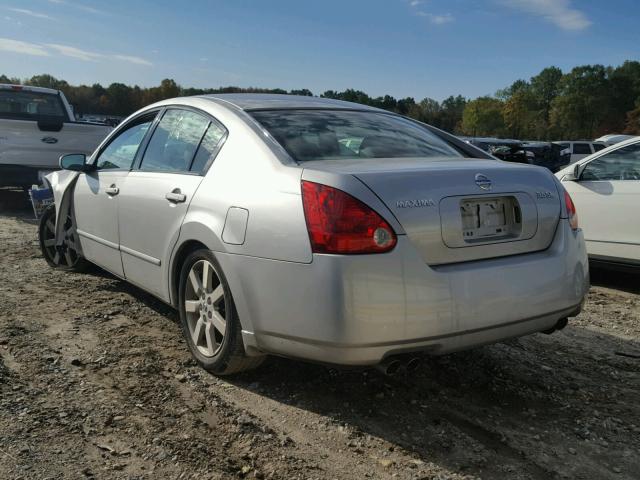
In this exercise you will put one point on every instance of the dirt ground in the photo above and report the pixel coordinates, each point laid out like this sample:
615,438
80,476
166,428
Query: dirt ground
96,382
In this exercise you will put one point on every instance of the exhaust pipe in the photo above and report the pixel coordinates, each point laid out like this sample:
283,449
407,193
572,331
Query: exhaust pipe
413,364
389,366
560,324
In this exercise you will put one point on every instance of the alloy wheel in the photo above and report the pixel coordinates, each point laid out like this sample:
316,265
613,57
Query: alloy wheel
65,255
205,305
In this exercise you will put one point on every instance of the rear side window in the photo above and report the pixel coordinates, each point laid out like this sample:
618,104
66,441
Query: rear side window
309,135
174,141
208,147
25,105
581,149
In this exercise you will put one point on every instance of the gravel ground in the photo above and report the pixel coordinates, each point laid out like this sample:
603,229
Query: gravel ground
95,382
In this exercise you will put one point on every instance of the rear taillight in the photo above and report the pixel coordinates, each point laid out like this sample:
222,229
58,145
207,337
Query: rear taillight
572,214
339,223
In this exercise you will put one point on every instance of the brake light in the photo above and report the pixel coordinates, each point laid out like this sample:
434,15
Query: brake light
572,214
339,223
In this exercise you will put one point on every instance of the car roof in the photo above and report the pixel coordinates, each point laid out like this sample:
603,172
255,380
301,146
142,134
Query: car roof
270,101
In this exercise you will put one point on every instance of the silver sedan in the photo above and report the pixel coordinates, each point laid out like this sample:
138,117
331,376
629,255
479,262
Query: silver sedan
318,229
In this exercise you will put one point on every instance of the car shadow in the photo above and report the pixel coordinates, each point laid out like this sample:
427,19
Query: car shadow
627,279
122,286
15,203
473,412
495,411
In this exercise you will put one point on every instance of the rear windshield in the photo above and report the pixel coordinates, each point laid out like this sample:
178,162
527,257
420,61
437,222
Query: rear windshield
343,134
24,105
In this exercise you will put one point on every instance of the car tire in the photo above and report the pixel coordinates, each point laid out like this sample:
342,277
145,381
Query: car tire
209,318
66,256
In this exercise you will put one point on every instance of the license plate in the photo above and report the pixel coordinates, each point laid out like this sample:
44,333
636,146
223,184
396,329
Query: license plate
491,217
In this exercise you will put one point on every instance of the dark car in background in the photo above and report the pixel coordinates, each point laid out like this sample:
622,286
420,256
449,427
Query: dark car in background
548,154
553,156
504,149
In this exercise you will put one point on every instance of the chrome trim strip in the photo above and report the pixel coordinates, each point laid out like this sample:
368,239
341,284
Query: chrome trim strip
99,240
611,241
141,256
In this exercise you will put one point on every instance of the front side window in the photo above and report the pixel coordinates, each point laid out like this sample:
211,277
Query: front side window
25,105
598,146
121,152
345,135
174,141
621,164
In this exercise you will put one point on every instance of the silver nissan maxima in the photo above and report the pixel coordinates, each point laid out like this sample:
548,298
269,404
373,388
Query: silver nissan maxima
318,229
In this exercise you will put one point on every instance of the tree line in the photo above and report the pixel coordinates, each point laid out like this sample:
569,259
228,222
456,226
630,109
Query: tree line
584,103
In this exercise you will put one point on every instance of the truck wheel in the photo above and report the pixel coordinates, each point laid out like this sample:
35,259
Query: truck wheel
65,256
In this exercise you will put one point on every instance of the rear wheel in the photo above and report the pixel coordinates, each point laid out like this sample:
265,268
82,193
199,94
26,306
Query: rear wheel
67,255
208,316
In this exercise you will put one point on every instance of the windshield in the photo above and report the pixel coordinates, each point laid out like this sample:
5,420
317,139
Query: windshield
343,134
25,105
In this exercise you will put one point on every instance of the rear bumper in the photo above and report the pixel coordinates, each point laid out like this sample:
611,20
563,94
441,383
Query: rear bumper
18,176
357,310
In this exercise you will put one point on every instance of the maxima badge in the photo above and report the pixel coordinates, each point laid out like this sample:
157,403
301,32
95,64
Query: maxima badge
483,181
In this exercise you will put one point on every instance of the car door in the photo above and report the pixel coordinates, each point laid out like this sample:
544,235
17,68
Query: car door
157,193
607,196
96,195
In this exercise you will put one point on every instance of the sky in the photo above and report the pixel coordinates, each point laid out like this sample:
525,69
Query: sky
417,48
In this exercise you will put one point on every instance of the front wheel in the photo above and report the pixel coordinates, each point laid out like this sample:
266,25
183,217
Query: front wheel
208,316
66,256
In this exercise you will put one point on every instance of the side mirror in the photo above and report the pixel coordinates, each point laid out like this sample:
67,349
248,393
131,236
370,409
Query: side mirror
76,162
574,176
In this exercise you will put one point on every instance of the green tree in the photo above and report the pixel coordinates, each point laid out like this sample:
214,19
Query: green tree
483,117
119,99
520,114
583,104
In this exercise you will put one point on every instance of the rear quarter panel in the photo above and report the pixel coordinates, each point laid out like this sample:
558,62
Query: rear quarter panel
247,174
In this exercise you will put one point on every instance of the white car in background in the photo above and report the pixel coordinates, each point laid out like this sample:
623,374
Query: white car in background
613,138
605,188
581,149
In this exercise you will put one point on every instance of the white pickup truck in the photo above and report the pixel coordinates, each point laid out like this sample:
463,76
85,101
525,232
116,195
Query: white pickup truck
37,126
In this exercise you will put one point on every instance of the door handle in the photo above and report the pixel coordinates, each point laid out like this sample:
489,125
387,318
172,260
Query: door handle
112,190
176,196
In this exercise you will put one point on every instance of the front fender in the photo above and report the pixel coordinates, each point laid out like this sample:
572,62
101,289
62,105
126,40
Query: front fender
61,183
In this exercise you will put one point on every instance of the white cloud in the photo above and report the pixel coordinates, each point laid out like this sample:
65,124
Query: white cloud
25,48
74,52
132,59
87,56
434,18
558,12
31,13
44,50
12,20
79,6
437,19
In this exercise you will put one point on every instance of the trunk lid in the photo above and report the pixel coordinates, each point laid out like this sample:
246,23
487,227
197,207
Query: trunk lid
458,210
